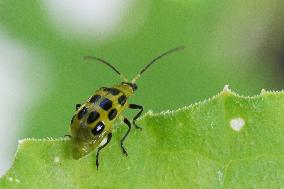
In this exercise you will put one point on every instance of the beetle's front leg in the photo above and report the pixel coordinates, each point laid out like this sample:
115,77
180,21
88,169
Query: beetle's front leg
78,106
136,106
127,122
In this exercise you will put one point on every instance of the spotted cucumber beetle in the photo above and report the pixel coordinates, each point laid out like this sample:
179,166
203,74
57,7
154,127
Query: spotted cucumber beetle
91,126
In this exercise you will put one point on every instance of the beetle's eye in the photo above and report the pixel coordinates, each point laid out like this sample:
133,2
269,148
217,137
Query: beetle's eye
98,128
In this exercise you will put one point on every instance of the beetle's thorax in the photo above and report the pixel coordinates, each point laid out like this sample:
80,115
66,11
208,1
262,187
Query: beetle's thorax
127,88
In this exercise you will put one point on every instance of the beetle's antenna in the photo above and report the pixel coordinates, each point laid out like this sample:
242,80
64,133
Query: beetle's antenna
154,60
106,63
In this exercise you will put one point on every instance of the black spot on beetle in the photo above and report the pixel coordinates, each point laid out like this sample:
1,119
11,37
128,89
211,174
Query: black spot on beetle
82,112
95,98
112,91
98,128
106,104
112,114
93,116
122,99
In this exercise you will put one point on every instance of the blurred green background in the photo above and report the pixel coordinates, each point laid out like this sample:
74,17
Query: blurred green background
42,43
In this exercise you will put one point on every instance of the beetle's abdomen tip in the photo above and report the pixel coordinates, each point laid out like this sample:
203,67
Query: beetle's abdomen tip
77,153
80,148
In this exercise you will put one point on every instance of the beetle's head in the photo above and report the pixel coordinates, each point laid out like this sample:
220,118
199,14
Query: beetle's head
133,86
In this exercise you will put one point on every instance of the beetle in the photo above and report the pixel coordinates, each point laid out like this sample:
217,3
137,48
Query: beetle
92,124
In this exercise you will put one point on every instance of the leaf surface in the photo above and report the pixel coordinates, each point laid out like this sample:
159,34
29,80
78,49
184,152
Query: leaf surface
228,141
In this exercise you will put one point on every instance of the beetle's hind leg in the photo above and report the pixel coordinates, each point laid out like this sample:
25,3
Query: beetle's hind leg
136,106
101,147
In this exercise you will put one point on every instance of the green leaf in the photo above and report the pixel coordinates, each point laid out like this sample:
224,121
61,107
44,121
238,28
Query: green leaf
228,141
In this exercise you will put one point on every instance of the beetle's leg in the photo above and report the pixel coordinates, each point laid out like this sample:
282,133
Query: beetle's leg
78,106
135,106
127,122
101,147
67,136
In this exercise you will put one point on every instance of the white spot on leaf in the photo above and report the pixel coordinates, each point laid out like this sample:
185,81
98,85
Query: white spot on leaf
10,179
56,159
237,124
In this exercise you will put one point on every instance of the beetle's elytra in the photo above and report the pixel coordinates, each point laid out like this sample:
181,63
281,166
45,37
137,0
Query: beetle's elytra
91,126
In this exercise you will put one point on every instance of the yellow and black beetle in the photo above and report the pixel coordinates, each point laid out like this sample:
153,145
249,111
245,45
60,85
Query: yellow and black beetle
91,126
